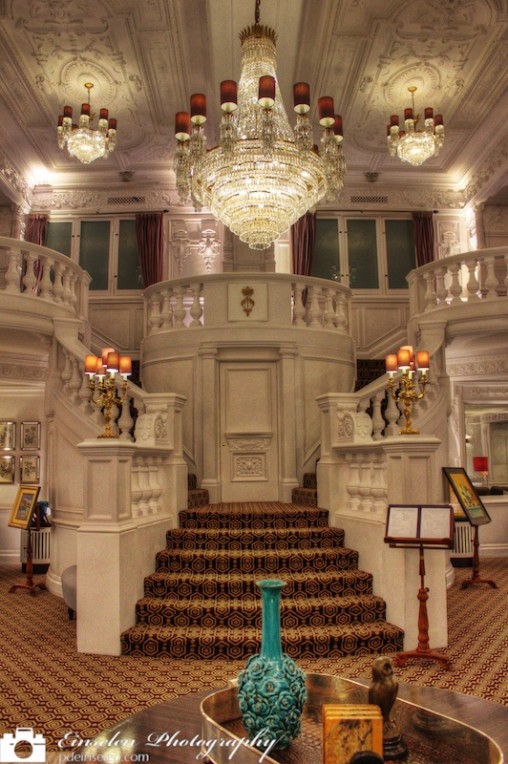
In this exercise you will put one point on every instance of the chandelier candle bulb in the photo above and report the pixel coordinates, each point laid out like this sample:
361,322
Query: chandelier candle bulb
228,95
423,360
113,361
91,364
125,366
266,91
391,364
104,355
198,109
301,97
403,358
182,126
337,128
326,111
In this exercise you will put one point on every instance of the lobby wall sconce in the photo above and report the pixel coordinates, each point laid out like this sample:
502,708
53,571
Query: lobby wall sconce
481,464
410,386
103,373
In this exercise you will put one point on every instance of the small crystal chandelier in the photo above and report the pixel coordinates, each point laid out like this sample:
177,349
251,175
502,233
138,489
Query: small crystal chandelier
82,141
412,145
264,175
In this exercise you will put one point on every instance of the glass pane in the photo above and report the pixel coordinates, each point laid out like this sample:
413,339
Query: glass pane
94,251
129,269
325,263
400,251
59,237
362,254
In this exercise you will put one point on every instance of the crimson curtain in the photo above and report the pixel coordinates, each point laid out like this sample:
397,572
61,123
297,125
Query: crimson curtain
424,237
303,240
36,229
149,236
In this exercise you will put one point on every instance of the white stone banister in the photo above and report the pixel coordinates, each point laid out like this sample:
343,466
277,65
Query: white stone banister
464,278
218,299
36,271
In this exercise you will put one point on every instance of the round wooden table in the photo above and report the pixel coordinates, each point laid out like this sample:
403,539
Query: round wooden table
170,733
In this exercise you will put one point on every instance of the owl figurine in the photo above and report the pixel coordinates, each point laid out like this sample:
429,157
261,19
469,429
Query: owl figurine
383,693
383,690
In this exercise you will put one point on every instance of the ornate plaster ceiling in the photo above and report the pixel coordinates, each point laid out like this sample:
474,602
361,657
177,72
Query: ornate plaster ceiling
145,58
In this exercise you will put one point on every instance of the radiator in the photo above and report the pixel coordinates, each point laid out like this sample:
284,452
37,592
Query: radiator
462,540
41,545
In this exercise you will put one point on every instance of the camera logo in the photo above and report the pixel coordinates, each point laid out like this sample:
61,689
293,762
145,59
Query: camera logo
36,744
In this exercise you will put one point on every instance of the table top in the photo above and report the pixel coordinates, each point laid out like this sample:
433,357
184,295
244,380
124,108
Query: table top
172,731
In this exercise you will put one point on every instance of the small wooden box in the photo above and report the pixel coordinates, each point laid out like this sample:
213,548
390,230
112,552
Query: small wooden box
348,729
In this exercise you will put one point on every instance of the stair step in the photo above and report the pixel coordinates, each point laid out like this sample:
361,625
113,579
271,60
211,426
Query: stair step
252,517
343,584
260,539
246,611
240,643
265,562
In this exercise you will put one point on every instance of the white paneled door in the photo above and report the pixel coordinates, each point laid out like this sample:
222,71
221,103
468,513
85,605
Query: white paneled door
249,437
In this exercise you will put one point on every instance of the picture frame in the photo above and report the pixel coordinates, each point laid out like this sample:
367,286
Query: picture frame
24,505
411,525
30,436
7,436
7,468
29,469
467,496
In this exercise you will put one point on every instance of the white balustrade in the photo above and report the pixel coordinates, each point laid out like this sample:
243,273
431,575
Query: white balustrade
192,304
40,272
464,278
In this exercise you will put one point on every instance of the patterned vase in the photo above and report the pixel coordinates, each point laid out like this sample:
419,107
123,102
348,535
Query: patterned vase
271,688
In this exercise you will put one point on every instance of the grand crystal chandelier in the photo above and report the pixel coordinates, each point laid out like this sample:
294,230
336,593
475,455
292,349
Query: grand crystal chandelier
412,145
83,141
264,174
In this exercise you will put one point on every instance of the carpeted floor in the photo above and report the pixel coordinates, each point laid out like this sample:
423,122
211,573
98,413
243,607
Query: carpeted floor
46,685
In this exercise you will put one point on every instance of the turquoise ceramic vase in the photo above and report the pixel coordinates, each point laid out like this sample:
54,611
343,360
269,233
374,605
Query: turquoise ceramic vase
271,688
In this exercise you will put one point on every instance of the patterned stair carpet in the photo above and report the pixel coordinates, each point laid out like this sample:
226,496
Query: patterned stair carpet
203,601
307,493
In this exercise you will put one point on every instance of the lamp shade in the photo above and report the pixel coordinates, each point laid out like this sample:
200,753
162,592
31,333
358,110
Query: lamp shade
481,463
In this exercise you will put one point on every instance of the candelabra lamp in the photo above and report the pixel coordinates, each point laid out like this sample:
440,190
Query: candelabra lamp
410,386
103,373
481,464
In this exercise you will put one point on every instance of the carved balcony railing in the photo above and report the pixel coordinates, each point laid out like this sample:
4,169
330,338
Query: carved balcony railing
300,301
36,271
469,277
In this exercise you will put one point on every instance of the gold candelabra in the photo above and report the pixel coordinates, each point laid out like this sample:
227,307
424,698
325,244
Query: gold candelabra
103,372
410,387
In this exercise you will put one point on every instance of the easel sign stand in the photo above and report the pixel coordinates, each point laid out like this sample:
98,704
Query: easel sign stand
21,517
419,527
476,514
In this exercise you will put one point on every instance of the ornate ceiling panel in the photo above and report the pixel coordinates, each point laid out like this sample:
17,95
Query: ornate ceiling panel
145,58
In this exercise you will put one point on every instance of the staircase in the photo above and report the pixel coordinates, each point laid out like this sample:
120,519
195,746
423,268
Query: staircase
306,495
203,601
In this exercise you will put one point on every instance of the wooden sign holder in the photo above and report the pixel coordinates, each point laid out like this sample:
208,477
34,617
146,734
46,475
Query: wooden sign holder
420,526
476,514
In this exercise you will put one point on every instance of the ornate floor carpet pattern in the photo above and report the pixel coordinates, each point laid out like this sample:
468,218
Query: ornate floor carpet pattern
203,601
47,685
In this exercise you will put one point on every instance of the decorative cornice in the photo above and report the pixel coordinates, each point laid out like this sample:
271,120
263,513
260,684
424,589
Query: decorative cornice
23,371
82,200
14,180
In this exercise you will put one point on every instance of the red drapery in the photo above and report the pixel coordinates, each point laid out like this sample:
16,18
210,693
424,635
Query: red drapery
424,237
303,239
36,229
149,235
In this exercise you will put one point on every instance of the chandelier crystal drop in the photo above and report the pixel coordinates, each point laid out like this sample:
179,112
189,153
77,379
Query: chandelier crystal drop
264,175
83,141
412,145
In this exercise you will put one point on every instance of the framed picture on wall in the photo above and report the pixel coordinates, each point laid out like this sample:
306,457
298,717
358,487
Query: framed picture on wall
29,469
7,466
7,436
30,436
24,506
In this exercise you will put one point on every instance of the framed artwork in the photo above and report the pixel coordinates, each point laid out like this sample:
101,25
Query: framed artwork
466,495
7,436
7,466
30,436
24,506
420,524
29,469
